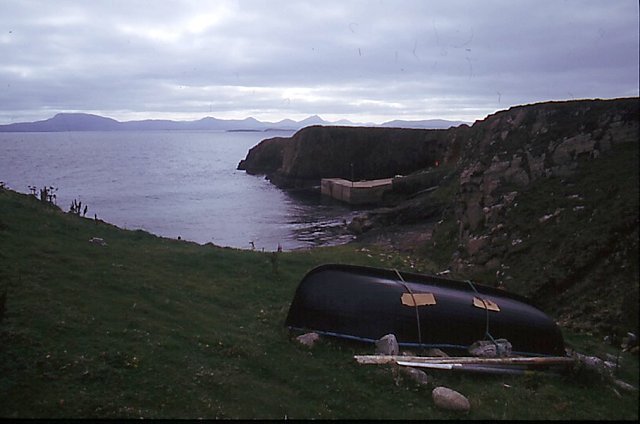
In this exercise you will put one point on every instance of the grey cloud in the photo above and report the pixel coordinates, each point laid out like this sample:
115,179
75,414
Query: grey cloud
352,59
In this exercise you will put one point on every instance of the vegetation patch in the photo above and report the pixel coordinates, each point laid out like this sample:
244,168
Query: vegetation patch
143,326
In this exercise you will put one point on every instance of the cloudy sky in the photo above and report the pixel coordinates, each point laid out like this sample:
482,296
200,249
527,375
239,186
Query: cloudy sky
367,61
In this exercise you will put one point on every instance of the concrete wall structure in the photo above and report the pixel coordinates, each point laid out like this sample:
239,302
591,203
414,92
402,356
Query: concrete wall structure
355,192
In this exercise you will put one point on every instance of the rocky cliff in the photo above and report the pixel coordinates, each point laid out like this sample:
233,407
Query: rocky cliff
510,151
266,157
546,204
542,201
539,199
349,152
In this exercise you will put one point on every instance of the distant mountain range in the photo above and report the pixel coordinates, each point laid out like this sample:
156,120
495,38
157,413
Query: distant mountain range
88,122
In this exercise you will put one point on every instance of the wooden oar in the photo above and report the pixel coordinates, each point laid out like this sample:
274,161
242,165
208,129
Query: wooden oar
495,369
537,360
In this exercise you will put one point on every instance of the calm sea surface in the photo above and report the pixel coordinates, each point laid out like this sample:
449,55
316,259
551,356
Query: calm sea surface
172,184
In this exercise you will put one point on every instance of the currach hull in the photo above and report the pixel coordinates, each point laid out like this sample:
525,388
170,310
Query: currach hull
366,303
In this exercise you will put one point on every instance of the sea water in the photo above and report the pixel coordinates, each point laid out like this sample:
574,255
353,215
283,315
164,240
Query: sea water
173,184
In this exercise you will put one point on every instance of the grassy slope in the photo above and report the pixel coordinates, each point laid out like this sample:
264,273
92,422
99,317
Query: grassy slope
584,263
159,328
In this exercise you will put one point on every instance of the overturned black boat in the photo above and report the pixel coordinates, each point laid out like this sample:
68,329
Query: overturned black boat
364,303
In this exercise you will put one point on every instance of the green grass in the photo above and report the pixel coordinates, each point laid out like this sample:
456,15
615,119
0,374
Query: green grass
157,328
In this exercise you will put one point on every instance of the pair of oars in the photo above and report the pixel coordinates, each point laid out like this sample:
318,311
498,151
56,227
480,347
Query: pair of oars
509,365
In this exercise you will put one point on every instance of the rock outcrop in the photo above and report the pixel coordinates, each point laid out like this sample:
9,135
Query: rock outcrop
512,149
266,157
546,205
516,146
352,153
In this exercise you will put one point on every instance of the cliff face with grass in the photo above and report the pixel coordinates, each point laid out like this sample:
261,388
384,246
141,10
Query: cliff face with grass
347,152
265,158
543,201
546,204
539,199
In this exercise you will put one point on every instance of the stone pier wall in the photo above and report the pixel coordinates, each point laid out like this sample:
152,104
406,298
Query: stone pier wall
355,193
